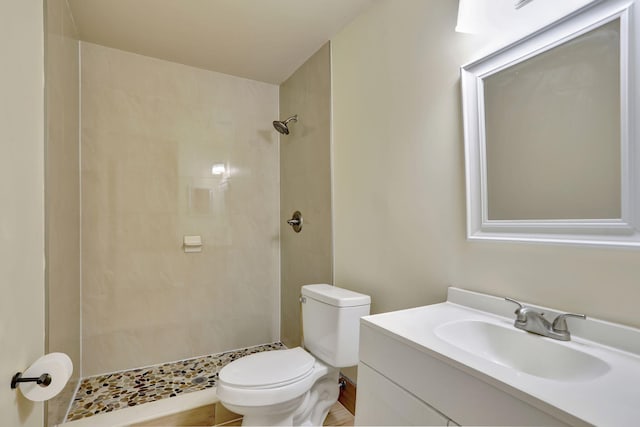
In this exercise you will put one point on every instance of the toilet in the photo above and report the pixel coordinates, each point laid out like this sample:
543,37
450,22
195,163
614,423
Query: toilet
298,386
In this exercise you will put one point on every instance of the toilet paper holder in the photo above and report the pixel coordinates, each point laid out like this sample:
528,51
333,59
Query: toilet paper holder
43,380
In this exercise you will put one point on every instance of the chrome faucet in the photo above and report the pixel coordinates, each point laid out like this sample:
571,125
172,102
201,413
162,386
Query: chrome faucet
530,320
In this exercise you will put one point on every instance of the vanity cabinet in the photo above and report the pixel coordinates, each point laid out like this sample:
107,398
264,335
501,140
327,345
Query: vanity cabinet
402,384
382,402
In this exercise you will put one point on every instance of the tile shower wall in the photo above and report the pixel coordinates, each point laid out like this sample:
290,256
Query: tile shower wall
305,174
62,194
151,132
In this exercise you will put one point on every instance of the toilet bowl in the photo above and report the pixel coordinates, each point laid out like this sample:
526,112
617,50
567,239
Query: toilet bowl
272,388
295,386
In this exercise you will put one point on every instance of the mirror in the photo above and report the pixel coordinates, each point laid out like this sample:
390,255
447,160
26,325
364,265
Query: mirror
550,151
552,132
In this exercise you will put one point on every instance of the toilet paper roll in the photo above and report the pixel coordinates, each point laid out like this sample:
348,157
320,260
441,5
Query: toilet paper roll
58,366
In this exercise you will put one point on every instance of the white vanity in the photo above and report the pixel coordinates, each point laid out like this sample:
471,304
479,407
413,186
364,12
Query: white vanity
463,362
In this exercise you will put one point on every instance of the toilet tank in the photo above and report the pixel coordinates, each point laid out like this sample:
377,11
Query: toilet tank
331,323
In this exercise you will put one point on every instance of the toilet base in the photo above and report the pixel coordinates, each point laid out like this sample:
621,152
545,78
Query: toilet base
309,409
275,415
319,400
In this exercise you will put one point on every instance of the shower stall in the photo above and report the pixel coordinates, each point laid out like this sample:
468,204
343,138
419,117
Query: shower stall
165,154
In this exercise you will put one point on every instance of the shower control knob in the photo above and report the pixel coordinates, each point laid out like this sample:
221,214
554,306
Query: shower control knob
296,221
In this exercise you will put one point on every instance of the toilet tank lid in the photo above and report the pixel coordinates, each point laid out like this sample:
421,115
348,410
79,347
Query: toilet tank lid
335,296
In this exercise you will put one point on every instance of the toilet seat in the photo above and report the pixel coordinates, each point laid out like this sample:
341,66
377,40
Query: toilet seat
268,378
268,369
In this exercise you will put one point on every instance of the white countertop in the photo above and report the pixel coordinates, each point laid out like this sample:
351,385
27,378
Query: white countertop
612,398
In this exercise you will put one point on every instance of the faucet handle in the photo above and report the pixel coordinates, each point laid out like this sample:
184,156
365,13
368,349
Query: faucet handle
520,305
560,322
521,316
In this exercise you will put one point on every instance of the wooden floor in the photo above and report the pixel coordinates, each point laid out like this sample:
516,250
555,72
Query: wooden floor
339,416
218,415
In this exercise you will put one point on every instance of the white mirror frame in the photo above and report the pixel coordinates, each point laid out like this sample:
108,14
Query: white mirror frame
612,232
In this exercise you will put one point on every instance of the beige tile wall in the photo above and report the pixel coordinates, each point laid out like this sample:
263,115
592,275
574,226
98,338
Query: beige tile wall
305,174
151,132
399,188
62,194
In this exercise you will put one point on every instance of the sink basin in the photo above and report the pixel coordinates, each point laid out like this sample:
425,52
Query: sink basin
522,351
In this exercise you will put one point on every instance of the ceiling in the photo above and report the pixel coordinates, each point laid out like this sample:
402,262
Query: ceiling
265,40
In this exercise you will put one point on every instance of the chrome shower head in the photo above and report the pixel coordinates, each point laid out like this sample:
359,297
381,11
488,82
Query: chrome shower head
281,126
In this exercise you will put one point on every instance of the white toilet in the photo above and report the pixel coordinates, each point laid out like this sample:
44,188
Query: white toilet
296,387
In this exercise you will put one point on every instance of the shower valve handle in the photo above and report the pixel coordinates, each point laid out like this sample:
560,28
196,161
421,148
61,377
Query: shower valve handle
296,221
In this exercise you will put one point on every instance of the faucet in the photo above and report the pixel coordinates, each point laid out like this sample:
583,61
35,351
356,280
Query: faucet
530,320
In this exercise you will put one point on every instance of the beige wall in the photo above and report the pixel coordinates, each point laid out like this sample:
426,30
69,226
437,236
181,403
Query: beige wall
21,203
399,180
151,131
305,185
62,195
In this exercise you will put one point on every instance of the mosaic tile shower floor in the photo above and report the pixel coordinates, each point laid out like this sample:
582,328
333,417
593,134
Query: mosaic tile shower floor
109,392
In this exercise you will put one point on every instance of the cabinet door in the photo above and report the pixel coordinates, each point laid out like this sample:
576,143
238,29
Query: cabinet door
381,402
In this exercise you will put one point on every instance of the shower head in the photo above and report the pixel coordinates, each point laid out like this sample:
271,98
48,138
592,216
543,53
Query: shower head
281,126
